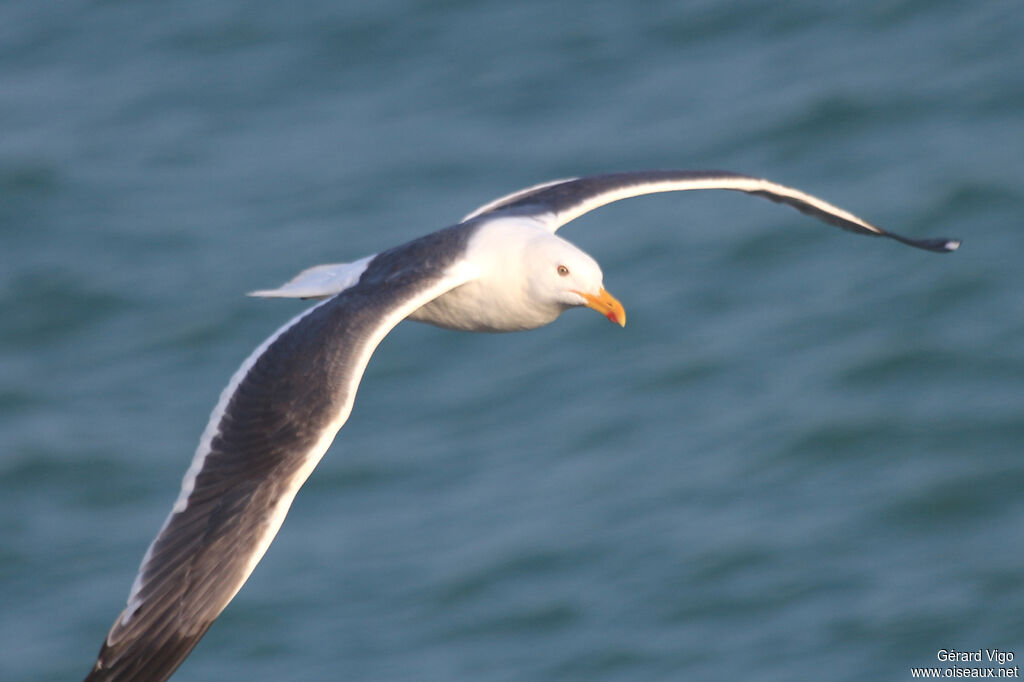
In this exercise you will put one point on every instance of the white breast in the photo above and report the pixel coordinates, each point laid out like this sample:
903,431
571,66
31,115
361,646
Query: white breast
498,299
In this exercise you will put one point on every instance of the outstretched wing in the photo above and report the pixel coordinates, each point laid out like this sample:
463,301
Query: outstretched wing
556,203
274,422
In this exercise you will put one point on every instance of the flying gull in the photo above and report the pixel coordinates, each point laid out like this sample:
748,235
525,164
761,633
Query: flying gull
502,268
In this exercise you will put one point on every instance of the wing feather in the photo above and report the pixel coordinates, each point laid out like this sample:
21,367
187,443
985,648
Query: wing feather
274,422
559,202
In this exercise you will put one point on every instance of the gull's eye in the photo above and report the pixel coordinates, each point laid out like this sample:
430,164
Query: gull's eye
563,271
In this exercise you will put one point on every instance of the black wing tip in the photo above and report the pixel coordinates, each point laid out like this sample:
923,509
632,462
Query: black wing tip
933,245
152,657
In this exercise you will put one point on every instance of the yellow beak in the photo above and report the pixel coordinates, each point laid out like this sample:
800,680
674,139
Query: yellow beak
607,305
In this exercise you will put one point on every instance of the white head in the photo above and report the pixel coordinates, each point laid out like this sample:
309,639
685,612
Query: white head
527,278
562,276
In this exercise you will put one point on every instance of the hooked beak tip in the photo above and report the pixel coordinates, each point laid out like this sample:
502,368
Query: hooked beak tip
607,305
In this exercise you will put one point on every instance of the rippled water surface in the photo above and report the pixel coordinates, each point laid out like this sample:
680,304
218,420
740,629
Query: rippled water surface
801,460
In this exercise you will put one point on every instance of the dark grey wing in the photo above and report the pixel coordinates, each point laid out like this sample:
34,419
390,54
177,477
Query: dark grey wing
272,425
556,203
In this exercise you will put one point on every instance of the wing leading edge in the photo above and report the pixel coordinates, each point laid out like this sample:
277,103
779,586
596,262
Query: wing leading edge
559,202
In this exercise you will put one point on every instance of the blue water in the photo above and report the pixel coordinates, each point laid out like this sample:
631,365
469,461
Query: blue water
801,459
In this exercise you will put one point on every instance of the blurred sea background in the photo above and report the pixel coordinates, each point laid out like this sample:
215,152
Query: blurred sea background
802,459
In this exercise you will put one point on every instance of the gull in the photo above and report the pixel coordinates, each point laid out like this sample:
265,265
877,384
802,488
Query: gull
501,268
